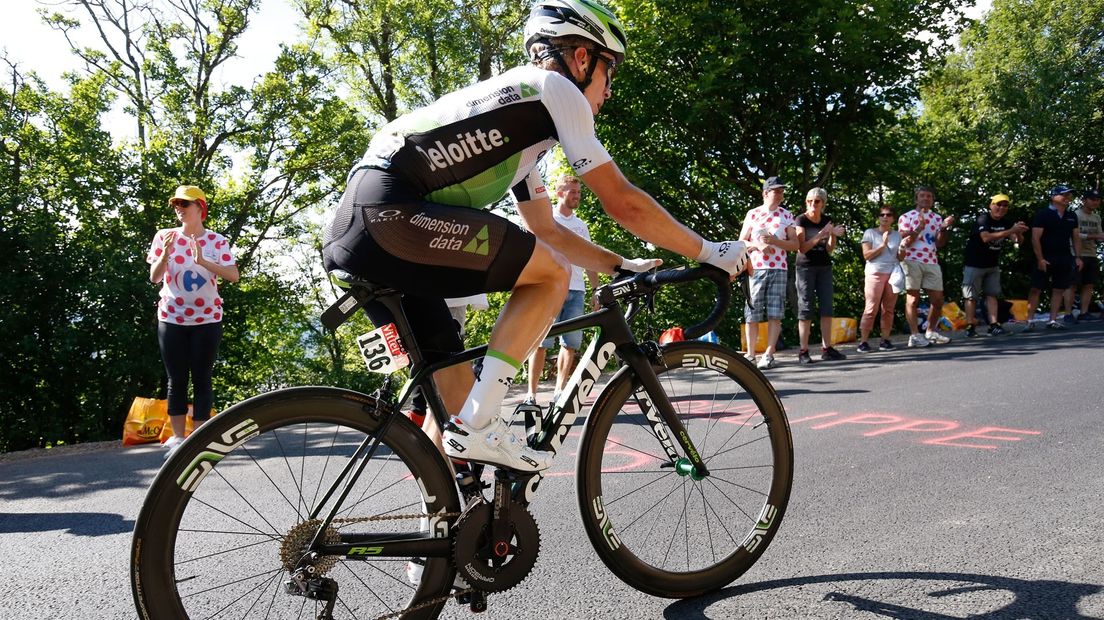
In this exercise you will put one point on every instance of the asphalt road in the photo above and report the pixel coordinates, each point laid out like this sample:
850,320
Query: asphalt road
962,481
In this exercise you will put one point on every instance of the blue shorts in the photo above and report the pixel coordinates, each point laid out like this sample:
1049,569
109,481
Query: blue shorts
573,307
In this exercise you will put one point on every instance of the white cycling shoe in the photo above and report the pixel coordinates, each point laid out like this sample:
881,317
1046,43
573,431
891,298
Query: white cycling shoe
492,445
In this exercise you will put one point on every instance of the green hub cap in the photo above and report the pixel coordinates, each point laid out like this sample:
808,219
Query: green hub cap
684,467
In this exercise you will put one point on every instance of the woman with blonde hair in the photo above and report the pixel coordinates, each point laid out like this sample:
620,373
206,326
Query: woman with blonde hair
881,248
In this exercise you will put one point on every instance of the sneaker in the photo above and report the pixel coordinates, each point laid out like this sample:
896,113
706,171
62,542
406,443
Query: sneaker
1069,318
917,341
886,345
1030,326
1090,316
1055,325
803,357
171,444
937,338
971,331
531,401
830,354
767,361
492,445
750,357
414,570
863,348
996,330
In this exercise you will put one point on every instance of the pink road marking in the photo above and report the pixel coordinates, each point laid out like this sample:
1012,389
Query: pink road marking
916,426
981,433
862,418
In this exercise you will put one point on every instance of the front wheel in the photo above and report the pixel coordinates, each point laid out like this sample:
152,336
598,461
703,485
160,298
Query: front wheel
228,516
659,526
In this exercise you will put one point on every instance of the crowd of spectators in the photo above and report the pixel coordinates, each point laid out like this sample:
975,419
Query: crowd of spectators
1064,245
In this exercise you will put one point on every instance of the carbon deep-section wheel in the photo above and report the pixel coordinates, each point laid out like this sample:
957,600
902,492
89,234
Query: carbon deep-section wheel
227,519
658,524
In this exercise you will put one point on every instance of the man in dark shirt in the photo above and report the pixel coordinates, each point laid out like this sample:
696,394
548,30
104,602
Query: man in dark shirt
982,273
1052,231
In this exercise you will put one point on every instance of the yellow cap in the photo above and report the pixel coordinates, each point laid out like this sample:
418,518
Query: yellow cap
1000,198
188,192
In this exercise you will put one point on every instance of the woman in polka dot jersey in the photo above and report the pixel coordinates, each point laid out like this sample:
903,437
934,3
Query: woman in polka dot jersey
186,261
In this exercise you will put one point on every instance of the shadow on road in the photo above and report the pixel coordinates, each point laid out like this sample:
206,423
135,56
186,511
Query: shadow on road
1031,598
75,523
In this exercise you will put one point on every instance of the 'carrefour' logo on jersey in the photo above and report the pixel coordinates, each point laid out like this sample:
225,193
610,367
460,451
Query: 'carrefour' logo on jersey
467,145
192,281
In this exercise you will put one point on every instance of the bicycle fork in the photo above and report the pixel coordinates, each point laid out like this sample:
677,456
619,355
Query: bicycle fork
662,418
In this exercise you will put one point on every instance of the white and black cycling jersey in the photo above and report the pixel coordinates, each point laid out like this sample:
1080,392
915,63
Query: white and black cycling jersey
471,146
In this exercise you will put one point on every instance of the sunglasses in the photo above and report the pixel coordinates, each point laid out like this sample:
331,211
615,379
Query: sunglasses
1002,204
611,67
885,215
182,203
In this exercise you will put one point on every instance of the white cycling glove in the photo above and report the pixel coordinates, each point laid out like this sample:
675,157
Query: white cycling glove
640,265
728,255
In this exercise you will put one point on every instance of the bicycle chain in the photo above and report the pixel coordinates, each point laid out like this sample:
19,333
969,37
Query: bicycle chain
428,603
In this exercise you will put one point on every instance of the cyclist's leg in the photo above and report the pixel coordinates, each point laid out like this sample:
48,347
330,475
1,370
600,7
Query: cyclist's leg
537,297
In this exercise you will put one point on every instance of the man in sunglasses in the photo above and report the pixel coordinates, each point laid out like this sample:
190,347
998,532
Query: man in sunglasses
414,214
981,274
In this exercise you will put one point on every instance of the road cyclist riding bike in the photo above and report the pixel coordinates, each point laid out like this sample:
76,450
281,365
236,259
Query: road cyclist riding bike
411,217
685,463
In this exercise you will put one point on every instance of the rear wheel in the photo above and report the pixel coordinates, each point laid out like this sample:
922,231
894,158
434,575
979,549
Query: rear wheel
657,526
228,515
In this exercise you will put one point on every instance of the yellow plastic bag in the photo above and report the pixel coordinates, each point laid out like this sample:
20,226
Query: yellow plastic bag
760,339
147,418
1019,309
843,329
954,315
189,426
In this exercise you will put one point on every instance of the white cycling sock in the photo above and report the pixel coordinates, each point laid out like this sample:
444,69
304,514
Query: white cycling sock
486,396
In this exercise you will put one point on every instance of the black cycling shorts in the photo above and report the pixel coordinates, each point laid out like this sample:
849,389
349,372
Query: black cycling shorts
384,233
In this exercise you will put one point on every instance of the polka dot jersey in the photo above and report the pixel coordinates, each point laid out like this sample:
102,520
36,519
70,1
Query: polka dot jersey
189,292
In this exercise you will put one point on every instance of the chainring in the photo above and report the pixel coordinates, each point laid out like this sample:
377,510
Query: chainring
472,549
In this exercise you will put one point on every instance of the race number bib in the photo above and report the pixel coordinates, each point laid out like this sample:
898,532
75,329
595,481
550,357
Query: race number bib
382,350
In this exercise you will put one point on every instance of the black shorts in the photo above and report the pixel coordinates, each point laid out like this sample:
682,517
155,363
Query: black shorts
384,233
1059,273
1091,271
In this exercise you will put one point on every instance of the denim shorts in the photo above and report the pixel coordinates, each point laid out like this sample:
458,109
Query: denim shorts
572,307
814,281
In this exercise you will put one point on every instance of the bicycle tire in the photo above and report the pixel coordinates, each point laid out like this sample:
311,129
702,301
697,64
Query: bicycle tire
214,549
660,531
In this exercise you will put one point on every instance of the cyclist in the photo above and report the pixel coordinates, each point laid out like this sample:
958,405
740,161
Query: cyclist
412,215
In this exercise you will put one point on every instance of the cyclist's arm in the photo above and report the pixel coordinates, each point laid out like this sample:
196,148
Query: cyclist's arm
639,213
537,216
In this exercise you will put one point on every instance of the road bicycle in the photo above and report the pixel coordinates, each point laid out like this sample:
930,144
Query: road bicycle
327,503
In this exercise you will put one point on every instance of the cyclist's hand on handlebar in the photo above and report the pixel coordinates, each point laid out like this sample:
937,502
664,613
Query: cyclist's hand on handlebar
640,265
728,255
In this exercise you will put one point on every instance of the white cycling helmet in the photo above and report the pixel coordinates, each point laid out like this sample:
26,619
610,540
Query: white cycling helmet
559,18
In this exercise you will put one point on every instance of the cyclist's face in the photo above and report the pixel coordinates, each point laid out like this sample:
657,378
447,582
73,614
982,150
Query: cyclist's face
601,82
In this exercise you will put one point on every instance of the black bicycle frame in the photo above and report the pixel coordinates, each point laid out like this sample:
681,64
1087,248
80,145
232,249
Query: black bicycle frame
614,337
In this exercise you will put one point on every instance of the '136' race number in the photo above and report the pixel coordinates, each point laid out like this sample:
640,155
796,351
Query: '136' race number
382,350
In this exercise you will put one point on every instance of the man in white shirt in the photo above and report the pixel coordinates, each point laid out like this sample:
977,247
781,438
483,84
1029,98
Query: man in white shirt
568,193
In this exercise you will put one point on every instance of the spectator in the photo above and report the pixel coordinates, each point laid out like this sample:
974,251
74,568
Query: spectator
1088,221
186,262
981,272
816,239
1052,230
567,200
769,233
881,248
923,233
